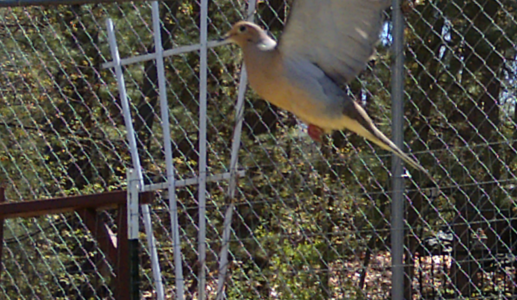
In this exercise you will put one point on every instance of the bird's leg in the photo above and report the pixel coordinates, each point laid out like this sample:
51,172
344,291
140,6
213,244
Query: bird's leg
315,132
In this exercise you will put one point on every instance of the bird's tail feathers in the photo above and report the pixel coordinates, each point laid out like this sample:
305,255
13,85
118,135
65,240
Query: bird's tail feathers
377,137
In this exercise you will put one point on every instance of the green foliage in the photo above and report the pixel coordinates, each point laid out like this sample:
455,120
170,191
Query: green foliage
308,217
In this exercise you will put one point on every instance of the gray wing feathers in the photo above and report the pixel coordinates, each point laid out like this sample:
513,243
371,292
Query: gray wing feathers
337,35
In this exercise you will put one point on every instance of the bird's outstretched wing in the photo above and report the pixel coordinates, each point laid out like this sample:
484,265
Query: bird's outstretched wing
336,35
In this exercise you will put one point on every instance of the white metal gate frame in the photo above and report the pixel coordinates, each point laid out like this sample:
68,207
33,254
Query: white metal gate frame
171,184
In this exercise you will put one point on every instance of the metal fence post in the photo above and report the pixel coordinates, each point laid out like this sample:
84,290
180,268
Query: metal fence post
167,145
232,188
203,73
146,214
397,205
133,230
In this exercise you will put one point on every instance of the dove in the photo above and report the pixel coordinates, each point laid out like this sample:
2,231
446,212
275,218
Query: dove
325,44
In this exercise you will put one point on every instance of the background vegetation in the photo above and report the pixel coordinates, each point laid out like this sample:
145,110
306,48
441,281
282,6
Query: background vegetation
312,222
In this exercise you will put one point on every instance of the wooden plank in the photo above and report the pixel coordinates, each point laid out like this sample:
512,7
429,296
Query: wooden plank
35,208
93,220
122,290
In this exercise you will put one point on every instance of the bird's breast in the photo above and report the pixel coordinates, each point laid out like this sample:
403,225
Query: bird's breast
295,99
301,100
272,88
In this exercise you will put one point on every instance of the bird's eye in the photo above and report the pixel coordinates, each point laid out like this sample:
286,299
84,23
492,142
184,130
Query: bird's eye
242,28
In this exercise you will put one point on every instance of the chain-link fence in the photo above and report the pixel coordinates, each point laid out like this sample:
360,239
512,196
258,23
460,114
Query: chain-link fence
310,221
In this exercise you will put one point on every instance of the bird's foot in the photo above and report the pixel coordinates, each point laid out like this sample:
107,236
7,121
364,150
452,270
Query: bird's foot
315,132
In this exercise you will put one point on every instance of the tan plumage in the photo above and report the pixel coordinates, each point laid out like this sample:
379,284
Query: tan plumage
325,43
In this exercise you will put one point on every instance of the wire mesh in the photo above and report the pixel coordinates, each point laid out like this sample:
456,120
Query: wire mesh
310,221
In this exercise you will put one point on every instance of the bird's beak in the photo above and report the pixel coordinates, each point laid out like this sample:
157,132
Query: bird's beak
226,39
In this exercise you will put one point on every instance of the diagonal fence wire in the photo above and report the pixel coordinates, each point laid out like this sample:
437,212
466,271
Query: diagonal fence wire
308,221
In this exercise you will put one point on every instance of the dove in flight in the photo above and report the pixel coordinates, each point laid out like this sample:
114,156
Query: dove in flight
325,43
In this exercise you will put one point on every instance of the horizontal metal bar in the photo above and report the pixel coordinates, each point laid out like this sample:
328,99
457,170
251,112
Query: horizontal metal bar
12,3
166,53
190,181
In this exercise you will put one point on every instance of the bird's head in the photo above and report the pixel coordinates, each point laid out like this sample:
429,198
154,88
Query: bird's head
246,33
